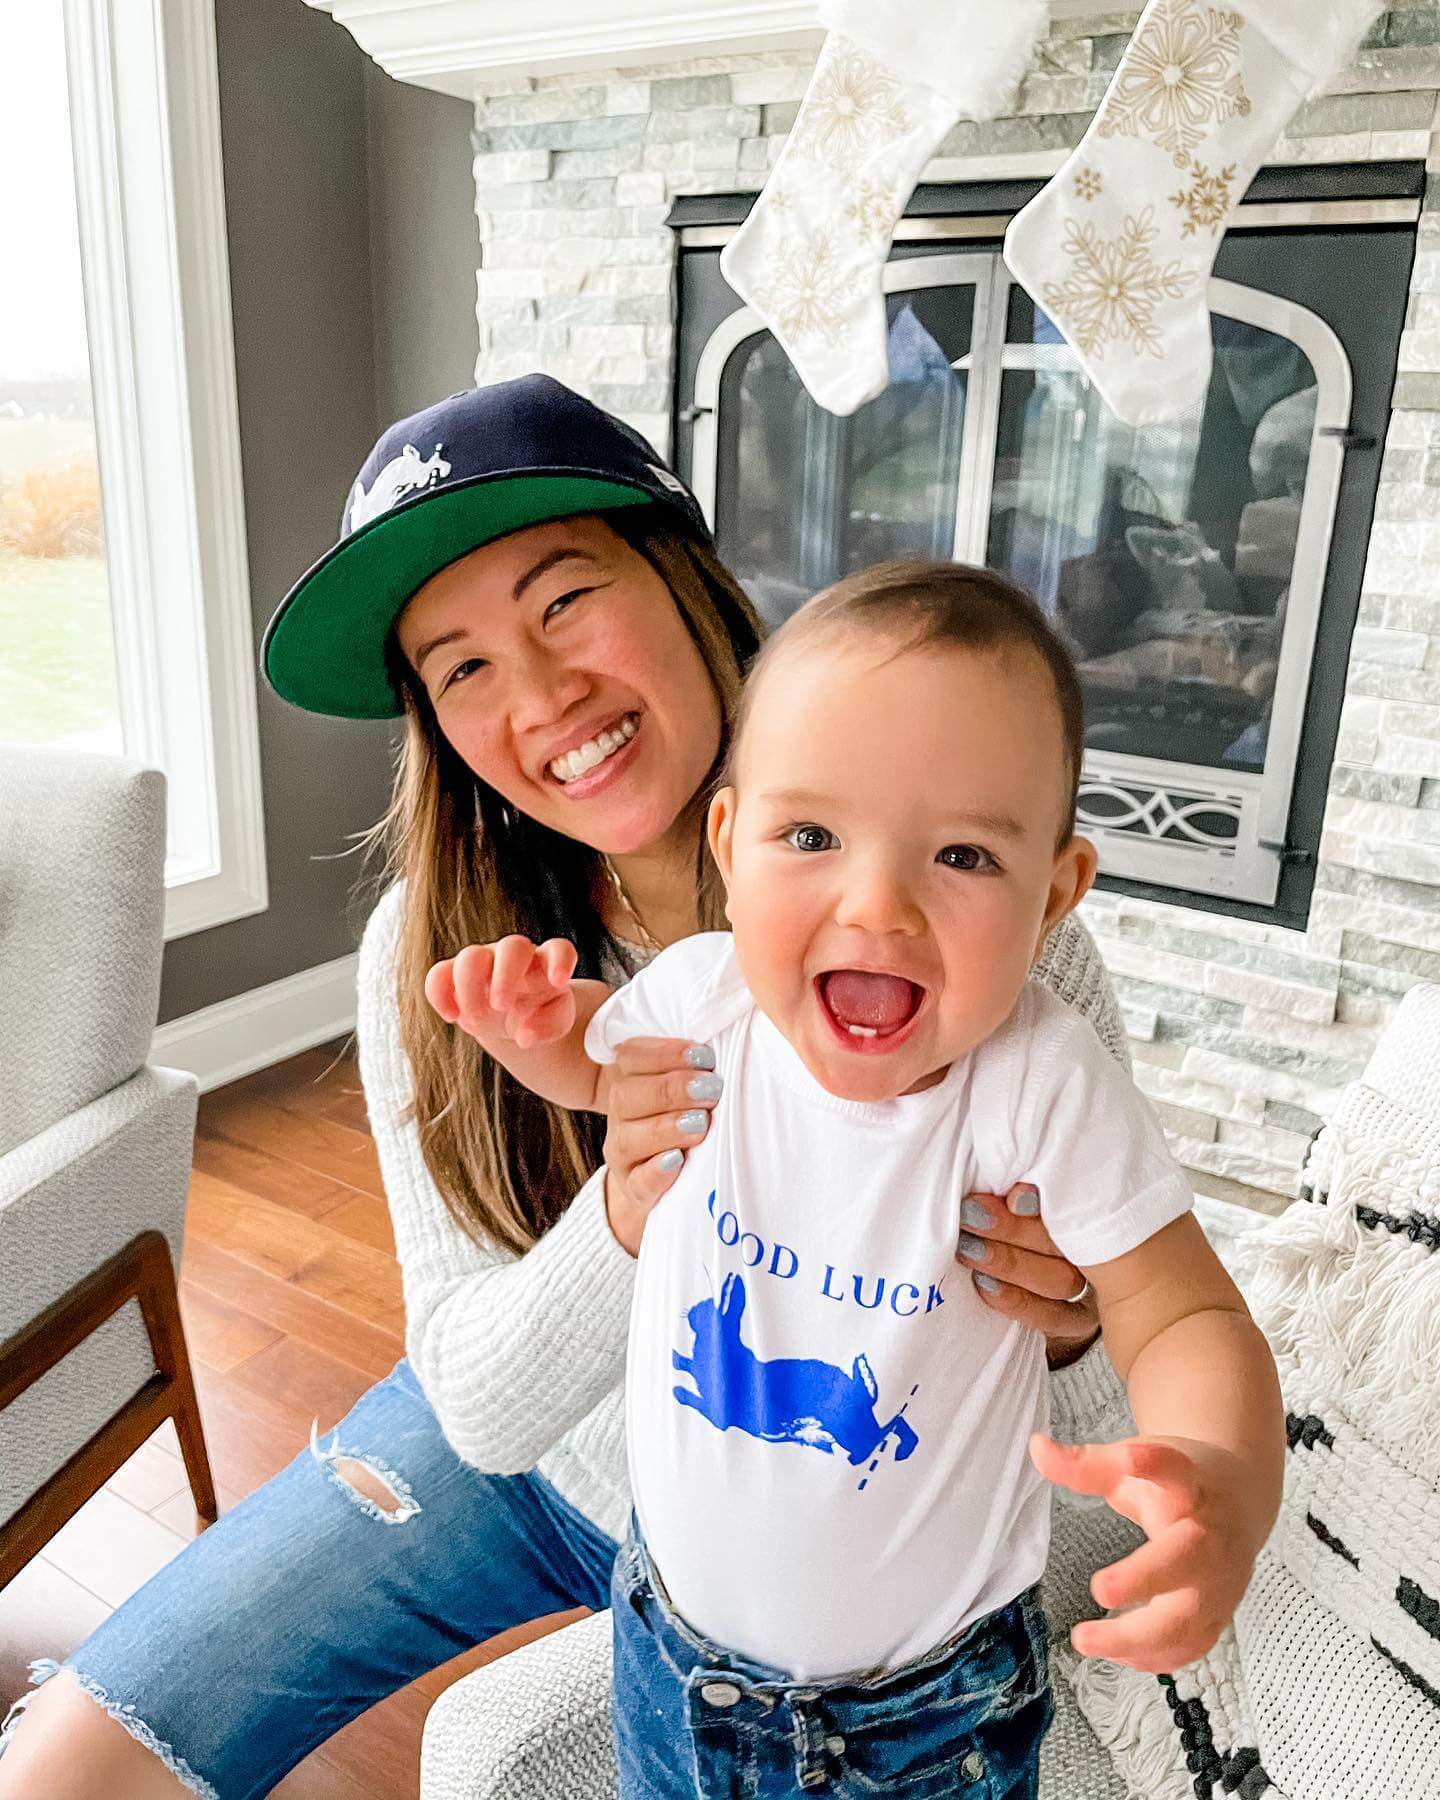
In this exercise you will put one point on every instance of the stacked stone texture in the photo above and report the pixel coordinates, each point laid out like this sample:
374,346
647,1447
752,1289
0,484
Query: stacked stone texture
1243,1034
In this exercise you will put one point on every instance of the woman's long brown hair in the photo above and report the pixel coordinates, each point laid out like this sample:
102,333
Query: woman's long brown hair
507,1162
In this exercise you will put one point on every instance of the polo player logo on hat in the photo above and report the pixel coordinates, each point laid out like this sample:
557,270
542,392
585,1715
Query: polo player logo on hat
668,479
405,474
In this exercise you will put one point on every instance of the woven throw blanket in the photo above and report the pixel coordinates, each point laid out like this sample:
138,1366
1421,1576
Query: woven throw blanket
1327,1686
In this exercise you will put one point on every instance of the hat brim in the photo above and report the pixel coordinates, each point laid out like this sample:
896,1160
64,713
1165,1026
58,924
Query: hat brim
324,650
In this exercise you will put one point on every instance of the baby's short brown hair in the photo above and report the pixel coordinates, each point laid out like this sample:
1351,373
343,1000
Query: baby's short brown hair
919,603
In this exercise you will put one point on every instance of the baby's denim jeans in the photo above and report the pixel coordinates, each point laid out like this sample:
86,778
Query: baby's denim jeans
695,1722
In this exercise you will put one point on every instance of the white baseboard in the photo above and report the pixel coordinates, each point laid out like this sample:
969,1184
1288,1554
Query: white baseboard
236,1037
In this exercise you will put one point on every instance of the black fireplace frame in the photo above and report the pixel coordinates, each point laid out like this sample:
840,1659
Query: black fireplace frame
1367,316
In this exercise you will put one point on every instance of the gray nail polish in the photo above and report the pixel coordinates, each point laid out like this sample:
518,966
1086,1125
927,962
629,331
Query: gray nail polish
692,1124
975,1248
990,1285
973,1213
700,1056
705,1087
1026,1202
670,1161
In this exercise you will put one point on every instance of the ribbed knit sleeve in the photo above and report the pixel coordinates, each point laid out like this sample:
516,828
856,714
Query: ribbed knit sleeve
511,1351
1088,1402
1073,969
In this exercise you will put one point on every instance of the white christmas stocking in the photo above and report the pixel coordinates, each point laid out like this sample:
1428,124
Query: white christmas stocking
809,258
1118,248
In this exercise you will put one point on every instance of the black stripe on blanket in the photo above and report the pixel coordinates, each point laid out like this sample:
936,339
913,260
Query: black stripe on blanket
1238,1773
1421,1608
1419,1227
1416,1681
1306,1429
1330,1541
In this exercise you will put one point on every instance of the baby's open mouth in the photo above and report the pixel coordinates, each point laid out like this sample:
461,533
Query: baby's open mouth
867,1005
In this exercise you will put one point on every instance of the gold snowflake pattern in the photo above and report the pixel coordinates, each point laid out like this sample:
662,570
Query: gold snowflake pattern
1206,202
1180,75
1114,288
1088,185
873,209
808,290
853,108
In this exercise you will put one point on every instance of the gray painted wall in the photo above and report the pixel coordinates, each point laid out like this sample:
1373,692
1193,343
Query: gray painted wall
352,242
424,243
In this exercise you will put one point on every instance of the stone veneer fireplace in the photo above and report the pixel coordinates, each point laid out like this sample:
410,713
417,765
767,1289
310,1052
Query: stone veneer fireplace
596,187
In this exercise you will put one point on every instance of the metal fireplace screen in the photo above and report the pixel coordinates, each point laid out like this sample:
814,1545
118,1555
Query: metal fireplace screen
1206,573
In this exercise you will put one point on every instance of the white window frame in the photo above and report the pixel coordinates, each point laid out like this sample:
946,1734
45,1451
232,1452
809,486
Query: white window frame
145,120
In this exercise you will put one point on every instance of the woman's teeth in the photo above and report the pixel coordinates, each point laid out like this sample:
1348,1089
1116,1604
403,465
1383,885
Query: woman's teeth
588,756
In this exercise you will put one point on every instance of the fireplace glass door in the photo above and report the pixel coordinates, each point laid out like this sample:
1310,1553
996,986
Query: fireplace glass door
1183,563
809,497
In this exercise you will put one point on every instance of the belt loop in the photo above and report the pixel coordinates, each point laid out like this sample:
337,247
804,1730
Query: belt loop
809,1737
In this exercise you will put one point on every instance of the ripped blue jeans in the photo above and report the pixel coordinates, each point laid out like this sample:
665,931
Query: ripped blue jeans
695,1722
308,1602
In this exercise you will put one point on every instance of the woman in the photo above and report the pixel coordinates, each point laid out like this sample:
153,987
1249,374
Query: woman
540,597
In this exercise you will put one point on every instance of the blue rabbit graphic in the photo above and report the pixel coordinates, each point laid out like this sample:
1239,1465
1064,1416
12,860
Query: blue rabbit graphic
792,1400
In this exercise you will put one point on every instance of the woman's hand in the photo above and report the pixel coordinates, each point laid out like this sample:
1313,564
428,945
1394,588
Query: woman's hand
661,1093
1173,1596
1017,1271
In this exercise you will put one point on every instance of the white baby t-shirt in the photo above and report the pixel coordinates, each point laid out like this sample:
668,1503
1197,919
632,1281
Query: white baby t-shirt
827,1427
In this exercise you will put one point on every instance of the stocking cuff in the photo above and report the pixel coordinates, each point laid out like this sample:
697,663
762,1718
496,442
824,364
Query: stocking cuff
972,52
1318,38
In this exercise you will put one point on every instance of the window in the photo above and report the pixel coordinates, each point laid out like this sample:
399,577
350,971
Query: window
124,593
57,645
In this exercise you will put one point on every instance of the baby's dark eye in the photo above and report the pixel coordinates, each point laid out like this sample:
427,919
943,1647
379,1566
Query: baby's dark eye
969,859
810,838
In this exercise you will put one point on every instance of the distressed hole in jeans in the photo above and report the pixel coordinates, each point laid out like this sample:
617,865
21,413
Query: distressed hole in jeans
377,1490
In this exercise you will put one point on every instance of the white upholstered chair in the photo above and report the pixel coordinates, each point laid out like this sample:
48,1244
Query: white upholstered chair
95,1145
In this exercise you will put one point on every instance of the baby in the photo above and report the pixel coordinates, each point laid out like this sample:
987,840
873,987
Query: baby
831,1583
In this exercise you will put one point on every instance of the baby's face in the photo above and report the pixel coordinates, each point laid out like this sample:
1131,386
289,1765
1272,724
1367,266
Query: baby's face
890,853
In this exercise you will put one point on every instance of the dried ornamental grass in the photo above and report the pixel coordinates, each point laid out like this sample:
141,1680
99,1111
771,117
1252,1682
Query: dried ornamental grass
53,511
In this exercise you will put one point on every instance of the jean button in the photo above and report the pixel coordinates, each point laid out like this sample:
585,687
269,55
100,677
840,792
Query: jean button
835,1745
973,1766
720,1693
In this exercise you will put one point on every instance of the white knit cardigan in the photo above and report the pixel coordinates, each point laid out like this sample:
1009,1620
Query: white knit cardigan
523,1358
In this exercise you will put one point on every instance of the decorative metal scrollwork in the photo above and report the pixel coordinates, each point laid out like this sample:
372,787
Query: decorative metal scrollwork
1186,818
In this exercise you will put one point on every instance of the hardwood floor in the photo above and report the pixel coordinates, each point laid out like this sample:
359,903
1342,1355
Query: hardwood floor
292,1304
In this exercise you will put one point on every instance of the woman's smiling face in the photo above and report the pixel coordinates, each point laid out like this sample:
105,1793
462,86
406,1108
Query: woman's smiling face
562,673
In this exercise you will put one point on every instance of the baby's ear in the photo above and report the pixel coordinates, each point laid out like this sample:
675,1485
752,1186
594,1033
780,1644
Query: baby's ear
1071,880
720,829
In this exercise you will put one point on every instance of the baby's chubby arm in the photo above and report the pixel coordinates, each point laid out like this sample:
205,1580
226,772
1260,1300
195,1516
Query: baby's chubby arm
520,1001
1204,1477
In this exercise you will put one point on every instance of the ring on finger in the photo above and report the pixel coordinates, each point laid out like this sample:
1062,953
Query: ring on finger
1084,1294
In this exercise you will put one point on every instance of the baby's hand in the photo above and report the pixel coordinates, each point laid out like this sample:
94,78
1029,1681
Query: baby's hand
514,991
1181,1589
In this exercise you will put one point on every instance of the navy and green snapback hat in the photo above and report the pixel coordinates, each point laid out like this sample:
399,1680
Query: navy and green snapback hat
458,475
